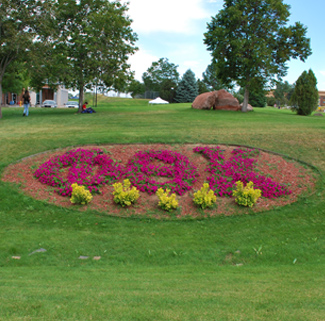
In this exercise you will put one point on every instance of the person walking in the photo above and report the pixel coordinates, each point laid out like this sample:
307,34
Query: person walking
26,100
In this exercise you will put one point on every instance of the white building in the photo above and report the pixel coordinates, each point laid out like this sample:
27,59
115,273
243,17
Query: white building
60,95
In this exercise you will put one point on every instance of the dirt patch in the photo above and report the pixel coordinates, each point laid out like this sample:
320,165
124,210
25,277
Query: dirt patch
299,179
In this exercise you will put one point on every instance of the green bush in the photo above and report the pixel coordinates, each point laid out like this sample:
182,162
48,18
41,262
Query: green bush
270,101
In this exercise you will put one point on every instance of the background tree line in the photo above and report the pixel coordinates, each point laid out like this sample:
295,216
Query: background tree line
163,79
87,43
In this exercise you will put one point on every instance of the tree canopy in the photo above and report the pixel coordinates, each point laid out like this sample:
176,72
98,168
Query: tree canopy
251,42
76,43
211,79
202,87
23,26
95,40
160,71
135,87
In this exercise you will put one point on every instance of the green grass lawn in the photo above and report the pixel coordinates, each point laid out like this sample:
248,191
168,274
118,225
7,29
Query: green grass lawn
266,266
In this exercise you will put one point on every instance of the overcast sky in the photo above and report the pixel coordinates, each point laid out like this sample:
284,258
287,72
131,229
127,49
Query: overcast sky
174,29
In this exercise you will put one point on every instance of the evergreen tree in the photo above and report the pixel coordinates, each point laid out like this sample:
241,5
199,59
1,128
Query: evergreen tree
305,95
202,87
187,89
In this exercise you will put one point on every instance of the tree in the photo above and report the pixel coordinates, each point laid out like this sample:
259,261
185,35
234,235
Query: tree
283,93
15,78
158,72
47,67
250,42
211,79
135,88
270,101
187,89
239,96
23,25
305,95
96,40
202,88
257,97
167,90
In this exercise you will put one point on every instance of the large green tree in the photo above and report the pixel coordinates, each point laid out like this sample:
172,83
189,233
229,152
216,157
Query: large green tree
251,42
305,96
187,89
158,72
24,24
96,38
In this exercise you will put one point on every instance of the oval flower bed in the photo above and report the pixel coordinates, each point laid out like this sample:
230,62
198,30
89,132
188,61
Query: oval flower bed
183,169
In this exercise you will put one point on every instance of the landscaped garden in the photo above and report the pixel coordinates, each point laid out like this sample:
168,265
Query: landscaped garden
116,258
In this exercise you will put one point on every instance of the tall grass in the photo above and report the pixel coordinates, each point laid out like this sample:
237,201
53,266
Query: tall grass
266,266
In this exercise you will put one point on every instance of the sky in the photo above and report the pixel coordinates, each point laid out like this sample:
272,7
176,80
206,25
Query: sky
174,29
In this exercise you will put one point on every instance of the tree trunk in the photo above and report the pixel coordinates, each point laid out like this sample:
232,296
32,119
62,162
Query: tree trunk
81,97
245,103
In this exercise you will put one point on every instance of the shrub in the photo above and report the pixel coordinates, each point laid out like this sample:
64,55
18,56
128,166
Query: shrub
205,197
305,96
239,97
257,98
270,101
167,201
124,194
246,196
80,195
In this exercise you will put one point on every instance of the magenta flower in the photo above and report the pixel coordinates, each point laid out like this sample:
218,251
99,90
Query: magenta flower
79,165
240,167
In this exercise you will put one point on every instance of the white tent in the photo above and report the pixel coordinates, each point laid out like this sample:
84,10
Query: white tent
158,100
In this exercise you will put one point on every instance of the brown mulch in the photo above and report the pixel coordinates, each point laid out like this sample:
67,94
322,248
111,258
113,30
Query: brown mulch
300,179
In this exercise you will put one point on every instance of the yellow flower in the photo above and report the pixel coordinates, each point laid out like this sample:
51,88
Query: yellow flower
80,195
247,196
205,197
167,201
124,194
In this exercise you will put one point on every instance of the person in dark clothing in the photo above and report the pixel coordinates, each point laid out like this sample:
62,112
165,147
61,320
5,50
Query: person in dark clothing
86,110
26,101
